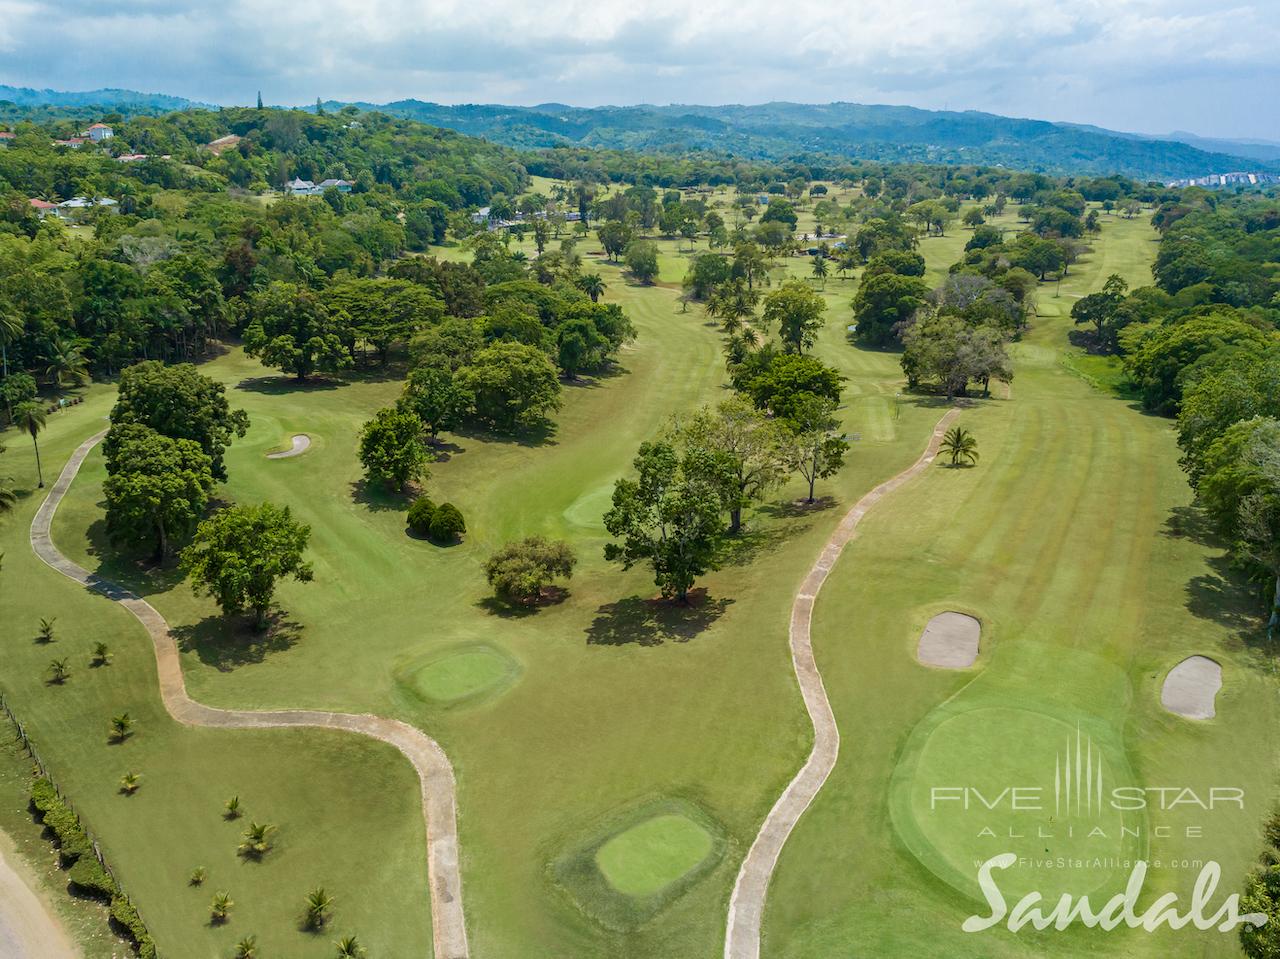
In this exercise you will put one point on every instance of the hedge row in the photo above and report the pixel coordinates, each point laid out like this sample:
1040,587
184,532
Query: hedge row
75,849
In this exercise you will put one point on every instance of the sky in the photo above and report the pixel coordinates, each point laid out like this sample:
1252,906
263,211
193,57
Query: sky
1152,66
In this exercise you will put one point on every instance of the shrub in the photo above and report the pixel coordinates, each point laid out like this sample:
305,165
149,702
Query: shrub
420,515
88,876
519,571
447,524
126,917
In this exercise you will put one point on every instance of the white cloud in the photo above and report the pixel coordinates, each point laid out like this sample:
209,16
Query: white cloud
1134,63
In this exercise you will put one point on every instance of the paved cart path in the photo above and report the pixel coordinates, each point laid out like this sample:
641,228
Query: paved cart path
448,928
746,905
28,929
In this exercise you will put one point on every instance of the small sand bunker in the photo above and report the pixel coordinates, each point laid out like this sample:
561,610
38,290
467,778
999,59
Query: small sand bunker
950,641
1191,688
300,444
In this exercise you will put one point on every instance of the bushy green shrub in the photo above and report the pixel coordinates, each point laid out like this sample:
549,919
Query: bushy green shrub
420,515
58,818
88,876
447,524
126,917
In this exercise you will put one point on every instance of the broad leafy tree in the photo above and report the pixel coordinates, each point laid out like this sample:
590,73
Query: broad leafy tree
239,554
817,449
513,386
292,330
391,448
157,489
180,402
669,516
520,571
796,311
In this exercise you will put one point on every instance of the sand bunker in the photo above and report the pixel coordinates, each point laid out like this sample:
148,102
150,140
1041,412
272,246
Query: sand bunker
1191,687
301,441
950,641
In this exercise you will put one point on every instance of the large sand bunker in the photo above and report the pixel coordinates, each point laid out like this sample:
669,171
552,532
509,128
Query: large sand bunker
1191,688
950,641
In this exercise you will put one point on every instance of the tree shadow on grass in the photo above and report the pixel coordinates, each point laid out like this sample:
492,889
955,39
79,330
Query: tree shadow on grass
747,545
226,643
378,498
1224,594
495,606
541,434
137,572
652,622
278,385
791,509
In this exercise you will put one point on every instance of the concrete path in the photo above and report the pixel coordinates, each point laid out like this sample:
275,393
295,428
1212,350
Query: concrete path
448,927
298,445
28,929
746,905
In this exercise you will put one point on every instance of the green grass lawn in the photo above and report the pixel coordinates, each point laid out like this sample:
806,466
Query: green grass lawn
650,856
606,701
1073,542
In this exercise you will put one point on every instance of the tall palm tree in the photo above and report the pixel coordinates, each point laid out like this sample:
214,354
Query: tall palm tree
593,285
11,327
820,269
961,446
66,363
319,903
30,416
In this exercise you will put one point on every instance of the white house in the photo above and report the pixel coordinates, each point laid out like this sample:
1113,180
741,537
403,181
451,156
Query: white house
99,132
342,186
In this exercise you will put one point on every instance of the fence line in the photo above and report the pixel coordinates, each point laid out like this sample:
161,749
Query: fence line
34,754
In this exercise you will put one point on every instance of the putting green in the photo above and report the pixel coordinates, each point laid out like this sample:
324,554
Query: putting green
1006,766
462,675
653,854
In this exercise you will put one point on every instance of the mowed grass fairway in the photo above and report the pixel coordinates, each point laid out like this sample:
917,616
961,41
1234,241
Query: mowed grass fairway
1071,538
563,723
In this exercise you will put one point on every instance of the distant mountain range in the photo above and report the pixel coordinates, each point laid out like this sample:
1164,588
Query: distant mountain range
778,131
119,101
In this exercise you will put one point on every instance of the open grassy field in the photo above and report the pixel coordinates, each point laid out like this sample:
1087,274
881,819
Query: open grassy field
566,724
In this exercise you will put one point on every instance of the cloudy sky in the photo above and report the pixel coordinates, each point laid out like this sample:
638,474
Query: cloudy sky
1144,65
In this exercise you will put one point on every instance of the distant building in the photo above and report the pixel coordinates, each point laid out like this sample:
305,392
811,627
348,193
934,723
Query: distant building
300,187
44,207
342,186
131,157
7,138
75,143
77,205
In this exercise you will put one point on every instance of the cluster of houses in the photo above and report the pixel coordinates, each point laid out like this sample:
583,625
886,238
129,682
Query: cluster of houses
70,209
300,187
485,216
1226,179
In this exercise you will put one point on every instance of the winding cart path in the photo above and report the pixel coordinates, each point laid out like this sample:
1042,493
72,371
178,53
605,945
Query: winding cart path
448,928
746,905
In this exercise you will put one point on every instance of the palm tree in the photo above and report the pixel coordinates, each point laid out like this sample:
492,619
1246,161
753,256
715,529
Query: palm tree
198,876
349,948
593,285
121,726
220,908
247,948
319,903
30,416
256,842
66,363
101,653
46,630
130,782
8,499
960,445
11,327
232,807
820,269
59,670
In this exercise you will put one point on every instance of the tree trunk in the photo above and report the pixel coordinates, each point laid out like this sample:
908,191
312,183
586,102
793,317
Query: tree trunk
1275,612
812,480
164,539
39,469
735,519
